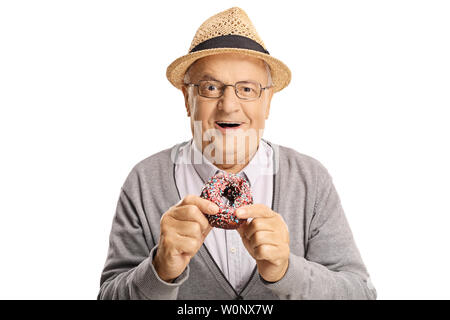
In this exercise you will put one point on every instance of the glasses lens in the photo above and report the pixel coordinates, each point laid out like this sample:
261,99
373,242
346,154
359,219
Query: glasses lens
248,90
210,88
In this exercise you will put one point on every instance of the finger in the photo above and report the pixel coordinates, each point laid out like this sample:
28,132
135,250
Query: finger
206,232
187,245
190,213
258,224
243,228
205,206
258,210
268,252
186,229
264,237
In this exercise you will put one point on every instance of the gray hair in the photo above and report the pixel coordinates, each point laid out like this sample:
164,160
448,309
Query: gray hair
269,74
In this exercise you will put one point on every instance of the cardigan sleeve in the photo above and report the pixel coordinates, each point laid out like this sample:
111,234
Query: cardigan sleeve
332,267
129,272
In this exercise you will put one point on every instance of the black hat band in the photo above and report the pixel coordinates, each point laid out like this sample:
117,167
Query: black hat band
230,41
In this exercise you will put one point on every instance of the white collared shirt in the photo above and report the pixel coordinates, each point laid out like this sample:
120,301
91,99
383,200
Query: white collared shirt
226,246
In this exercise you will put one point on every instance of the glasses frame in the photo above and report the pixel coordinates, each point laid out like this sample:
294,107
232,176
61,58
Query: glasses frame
261,88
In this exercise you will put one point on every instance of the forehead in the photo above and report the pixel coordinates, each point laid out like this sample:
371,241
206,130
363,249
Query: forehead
229,66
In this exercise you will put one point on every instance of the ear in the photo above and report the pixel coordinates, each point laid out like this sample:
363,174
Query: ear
269,100
186,99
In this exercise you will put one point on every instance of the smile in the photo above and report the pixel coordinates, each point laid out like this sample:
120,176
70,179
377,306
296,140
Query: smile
227,125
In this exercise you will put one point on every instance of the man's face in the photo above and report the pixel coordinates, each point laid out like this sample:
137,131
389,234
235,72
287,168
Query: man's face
228,68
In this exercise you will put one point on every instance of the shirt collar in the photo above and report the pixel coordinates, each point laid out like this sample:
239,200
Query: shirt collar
254,169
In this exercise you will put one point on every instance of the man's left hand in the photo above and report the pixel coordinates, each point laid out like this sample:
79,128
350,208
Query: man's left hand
266,238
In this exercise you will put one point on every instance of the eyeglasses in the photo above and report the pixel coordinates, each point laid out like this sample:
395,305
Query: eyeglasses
246,90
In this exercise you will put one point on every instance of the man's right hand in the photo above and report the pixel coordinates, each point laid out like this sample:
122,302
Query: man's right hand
183,230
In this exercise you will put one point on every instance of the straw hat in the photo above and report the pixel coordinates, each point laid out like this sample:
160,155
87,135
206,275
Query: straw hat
228,31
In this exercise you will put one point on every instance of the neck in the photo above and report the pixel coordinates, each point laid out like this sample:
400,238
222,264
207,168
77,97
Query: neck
232,168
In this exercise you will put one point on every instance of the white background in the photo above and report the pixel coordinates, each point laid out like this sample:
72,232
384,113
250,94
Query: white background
84,97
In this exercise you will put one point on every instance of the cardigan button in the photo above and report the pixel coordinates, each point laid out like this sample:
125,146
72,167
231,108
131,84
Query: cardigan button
239,298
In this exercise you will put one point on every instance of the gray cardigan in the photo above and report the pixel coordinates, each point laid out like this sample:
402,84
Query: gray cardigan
324,261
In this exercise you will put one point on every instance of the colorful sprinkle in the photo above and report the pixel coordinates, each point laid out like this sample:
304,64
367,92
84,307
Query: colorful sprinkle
234,188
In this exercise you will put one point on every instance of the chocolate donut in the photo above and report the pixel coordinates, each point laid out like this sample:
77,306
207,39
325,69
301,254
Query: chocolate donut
236,192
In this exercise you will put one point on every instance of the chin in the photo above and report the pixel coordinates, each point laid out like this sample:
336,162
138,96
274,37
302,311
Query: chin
228,152
230,147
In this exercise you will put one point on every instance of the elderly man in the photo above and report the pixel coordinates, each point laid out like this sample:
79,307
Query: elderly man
296,242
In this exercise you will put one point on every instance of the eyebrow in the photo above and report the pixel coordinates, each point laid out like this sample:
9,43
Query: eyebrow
207,76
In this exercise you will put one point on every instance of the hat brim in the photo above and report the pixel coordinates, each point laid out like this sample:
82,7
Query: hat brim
281,75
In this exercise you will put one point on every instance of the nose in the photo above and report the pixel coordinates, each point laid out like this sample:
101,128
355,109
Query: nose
229,102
